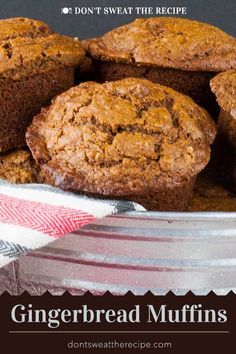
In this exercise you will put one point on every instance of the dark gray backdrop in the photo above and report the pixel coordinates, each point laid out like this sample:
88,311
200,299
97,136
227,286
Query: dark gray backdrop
221,13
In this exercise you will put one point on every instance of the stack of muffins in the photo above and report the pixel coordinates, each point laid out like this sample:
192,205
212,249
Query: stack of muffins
138,130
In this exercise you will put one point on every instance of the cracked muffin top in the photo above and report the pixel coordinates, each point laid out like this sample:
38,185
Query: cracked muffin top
224,87
167,42
28,47
120,137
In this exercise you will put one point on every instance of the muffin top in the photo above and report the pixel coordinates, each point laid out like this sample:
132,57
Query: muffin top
224,87
167,42
120,138
28,47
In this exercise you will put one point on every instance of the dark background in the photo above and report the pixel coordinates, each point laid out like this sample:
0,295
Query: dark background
221,13
56,342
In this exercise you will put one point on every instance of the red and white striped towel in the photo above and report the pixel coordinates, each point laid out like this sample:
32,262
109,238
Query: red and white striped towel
33,215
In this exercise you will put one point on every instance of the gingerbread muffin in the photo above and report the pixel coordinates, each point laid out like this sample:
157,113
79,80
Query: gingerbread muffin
35,65
18,166
179,53
224,87
130,139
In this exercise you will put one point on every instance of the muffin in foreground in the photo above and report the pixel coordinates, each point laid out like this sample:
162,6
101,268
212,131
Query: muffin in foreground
129,139
179,53
224,87
18,167
35,65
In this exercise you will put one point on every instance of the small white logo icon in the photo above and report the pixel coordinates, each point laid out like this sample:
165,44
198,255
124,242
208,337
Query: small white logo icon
66,10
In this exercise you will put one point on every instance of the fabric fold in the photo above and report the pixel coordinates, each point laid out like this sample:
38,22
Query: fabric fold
33,215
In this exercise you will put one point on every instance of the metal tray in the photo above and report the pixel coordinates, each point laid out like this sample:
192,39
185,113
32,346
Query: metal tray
137,251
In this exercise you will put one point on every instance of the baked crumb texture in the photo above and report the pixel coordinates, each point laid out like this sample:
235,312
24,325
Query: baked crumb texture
179,53
18,167
167,42
35,65
224,87
130,138
210,195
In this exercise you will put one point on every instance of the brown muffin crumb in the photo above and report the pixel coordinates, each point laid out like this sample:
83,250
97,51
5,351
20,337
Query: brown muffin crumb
129,138
224,87
167,42
179,53
35,65
209,195
29,47
18,167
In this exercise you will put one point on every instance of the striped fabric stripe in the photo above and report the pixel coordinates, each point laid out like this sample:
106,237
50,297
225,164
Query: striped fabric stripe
51,220
31,216
57,197
10,249
24,236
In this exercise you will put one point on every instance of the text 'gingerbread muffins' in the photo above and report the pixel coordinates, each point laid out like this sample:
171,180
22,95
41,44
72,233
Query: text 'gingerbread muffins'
176,52
127,139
